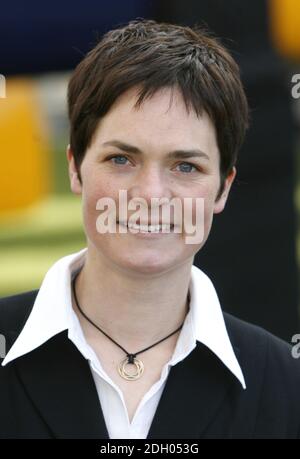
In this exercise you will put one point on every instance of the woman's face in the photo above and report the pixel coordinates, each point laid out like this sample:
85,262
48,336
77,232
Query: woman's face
150,170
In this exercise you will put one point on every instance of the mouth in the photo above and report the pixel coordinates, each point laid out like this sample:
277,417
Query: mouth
144,228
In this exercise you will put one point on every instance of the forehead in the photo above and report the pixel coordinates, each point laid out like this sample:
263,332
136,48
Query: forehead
161,121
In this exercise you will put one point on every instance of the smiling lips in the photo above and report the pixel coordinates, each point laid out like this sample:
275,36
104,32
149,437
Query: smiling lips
148,228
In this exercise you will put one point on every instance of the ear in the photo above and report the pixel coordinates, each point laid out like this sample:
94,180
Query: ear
220,203
75,183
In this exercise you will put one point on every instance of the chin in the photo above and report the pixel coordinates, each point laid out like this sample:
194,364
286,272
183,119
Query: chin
147,265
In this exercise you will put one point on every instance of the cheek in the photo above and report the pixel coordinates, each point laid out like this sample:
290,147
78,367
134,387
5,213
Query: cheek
203,201
92,192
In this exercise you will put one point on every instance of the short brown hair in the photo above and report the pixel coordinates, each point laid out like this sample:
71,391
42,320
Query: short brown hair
152,56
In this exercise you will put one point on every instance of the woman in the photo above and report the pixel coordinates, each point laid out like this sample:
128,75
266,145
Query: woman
126,339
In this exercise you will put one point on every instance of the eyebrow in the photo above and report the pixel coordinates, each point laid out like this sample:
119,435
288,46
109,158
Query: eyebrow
172,154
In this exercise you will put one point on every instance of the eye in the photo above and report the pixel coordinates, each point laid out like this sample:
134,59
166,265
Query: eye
187,166
120,159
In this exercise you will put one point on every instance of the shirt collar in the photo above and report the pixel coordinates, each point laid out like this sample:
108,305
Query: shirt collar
52,313
208,321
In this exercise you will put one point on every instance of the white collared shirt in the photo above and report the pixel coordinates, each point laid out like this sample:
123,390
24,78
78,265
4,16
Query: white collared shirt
53,313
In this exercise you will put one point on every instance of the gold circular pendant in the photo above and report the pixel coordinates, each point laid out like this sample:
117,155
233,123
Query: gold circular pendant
129,376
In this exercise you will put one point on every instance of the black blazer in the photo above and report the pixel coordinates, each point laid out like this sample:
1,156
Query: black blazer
50,392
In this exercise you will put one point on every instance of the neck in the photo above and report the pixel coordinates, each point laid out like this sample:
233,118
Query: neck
134,310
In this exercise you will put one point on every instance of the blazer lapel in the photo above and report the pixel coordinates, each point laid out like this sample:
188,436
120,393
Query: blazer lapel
59,382
194,392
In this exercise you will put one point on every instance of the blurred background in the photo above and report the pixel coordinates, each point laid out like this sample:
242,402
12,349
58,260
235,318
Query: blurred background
253,252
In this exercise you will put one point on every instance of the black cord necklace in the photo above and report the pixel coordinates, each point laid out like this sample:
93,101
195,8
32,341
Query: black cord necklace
130,358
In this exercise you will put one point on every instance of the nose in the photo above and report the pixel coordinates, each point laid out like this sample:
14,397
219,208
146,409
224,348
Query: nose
151,182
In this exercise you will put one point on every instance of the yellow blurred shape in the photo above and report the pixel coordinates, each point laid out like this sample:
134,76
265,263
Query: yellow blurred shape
24,148
285,26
